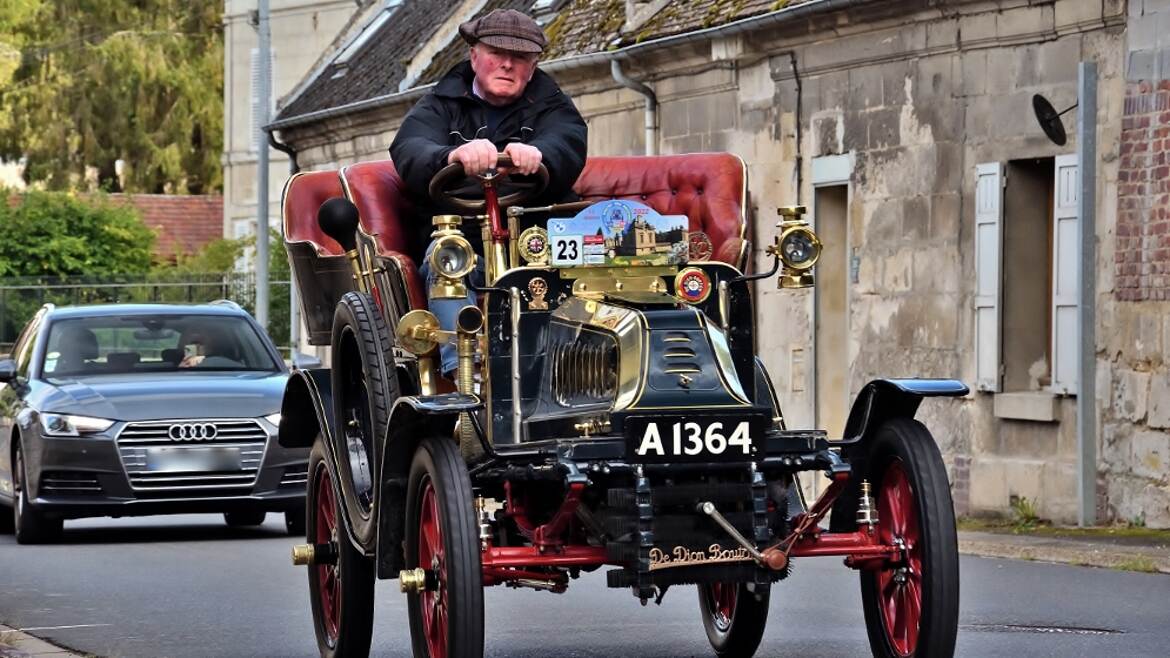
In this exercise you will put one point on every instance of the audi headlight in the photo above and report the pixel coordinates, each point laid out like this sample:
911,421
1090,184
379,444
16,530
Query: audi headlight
66,425
452,257
799,247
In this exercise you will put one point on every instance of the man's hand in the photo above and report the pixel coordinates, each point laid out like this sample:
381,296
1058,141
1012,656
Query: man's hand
477,156
525,158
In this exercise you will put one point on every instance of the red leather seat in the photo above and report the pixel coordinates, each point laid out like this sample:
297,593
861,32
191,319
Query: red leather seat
709,188
385,210
303,195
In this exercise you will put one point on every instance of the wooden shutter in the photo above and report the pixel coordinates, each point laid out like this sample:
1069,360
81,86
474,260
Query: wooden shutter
988,265
1065,276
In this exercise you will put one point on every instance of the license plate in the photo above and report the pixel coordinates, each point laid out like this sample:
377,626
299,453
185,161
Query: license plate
171,460
695,440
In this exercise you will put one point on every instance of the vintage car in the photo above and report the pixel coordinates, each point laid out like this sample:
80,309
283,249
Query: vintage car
609,411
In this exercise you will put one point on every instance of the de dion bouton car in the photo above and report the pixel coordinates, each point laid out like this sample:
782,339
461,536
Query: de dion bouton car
609,411
125,410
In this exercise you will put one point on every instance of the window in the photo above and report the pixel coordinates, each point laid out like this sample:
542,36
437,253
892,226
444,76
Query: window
1026,275
115,345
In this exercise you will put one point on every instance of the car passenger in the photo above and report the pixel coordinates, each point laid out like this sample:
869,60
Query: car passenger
497,101
78,346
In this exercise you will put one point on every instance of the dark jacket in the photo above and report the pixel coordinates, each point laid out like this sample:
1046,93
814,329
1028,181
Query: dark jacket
451,115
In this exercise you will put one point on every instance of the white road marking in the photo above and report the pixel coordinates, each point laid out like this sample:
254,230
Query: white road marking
58,628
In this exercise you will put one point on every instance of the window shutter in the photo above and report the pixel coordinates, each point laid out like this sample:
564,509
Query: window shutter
258,121
988,261
1065,277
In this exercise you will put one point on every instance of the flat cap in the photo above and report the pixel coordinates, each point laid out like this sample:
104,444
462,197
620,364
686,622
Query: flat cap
506,29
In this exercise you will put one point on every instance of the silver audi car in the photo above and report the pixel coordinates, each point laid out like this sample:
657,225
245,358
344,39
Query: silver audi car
126,410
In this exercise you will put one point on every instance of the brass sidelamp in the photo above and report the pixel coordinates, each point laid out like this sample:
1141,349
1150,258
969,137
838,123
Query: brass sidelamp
797,246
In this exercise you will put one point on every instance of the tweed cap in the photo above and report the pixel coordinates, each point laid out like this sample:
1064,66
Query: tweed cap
506,29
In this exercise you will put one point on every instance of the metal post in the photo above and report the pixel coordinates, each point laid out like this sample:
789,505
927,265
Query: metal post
294,317
1087,306
264,91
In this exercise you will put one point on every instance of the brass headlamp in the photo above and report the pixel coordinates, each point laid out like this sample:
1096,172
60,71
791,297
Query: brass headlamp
451,258
797,246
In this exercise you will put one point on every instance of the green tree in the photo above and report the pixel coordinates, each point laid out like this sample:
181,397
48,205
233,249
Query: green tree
58,234
103,81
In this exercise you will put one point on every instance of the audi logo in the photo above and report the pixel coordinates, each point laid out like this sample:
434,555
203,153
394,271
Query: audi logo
192,432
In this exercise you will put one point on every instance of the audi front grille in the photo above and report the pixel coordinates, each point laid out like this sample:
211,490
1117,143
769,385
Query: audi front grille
239,441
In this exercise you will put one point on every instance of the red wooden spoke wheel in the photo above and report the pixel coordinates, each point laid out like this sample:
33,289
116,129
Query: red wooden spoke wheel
341,579
432,558
912,602
325,532
446,618
734,616
900,587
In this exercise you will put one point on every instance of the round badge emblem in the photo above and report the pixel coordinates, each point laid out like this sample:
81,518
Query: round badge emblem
693,285
700,246
533,245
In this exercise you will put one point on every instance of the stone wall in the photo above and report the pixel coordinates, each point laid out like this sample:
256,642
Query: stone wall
1134,367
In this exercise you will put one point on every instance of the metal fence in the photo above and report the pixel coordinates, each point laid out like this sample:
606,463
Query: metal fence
20,297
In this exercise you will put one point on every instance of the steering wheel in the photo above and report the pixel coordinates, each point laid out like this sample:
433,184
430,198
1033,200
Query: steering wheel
525,188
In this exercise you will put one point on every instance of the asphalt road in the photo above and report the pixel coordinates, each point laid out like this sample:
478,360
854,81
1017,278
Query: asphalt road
189,586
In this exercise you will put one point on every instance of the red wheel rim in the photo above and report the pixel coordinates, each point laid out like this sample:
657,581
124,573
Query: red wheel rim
722,597
432,557
899,587
328,575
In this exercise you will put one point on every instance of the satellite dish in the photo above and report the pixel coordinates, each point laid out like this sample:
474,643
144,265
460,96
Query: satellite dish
1049,119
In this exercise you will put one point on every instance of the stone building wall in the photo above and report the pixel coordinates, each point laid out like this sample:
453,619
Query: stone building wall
301,31
1134,365
916,103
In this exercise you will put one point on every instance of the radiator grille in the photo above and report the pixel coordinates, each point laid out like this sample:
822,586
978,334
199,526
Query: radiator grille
136,441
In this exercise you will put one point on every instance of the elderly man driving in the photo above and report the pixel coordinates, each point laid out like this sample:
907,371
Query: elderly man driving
498,101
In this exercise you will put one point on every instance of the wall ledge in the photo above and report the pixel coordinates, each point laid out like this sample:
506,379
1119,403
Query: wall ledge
1039,406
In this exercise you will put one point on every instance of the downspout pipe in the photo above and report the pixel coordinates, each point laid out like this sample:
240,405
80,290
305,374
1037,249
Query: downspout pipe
651,110
293,166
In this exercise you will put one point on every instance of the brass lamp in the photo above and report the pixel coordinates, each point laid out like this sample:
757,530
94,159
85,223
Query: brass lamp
797,246
451,258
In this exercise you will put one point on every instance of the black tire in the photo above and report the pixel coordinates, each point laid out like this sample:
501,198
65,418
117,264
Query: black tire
340,594
439,481
244,519
907,474
734,618
365,386
30,525
294,522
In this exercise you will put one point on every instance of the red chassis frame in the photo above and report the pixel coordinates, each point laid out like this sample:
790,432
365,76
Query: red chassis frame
551,547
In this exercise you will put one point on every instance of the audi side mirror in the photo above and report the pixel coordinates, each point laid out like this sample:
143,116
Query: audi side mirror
7,371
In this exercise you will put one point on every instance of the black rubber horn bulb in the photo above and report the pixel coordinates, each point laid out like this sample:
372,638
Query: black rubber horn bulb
338,218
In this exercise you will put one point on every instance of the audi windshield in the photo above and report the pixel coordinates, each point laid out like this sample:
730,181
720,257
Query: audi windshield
115,345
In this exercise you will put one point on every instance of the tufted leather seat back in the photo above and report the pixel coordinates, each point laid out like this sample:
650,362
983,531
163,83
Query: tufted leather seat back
382,202
709,188
303,195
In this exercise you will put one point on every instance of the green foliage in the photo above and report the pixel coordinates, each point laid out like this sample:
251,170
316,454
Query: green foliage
1024,516
97,81
216,257
57,234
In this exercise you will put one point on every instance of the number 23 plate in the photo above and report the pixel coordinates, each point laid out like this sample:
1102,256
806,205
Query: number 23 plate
702,439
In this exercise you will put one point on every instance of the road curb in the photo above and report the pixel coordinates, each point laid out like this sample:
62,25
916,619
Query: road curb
1064,551
17,644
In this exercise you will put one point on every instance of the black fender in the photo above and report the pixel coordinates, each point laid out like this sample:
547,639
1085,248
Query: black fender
879,401
413,418
306,412
306,409
765,393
